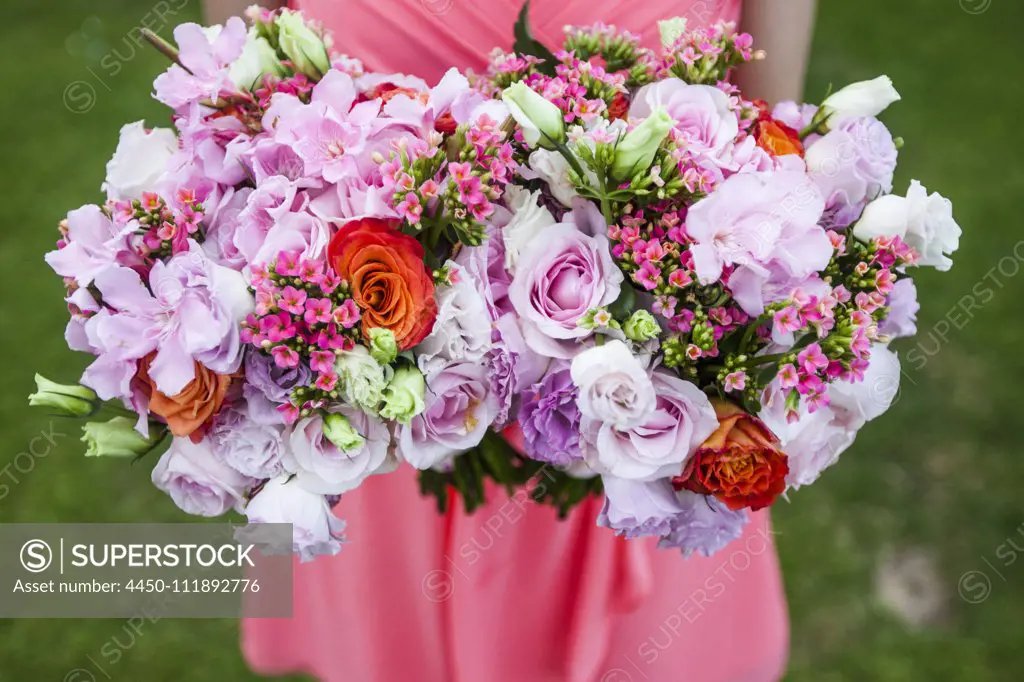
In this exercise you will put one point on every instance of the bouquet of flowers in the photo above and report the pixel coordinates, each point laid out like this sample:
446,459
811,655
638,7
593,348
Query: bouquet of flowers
596,270
713,283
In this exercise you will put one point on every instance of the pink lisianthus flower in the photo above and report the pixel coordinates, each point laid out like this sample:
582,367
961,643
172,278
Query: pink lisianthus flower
764,225
205,54
190,312
703,118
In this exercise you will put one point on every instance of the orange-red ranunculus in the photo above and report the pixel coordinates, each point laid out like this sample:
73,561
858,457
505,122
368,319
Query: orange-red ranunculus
389,280
191,410
777,138
740,463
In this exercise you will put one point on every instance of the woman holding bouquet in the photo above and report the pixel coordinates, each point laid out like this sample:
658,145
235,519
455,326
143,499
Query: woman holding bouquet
510,592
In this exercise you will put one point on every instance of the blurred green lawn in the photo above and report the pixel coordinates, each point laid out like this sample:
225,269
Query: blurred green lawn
872,555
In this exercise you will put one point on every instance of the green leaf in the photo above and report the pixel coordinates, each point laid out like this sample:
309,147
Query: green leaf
525,43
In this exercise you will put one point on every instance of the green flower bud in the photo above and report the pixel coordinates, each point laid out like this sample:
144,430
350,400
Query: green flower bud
339,430
403,398
671,30
541,121
117,438
69,401
383,348
635,152
302,45
641,326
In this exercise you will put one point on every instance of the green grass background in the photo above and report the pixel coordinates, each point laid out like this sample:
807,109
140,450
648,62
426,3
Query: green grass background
939,478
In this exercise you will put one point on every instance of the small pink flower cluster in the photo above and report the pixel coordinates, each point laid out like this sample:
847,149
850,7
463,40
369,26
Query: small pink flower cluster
303,314
706,55
165,228
421,179
653,253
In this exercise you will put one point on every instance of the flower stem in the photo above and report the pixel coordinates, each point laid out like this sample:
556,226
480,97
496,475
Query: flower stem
164,47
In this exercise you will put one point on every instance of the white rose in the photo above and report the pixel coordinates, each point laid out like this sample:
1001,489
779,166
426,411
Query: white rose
552,168
925,222
323,468
529,219
866,98
462,330
258,58
139,161
615,388
315,530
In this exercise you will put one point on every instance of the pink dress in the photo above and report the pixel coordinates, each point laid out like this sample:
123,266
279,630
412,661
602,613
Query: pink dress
510,593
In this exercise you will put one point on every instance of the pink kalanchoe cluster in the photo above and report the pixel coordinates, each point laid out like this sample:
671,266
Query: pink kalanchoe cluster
164,228
705,55
423,184
303,314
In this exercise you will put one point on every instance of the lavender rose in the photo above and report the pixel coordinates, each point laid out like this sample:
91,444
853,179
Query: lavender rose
550,418
558,279
636,509
660,444
852,164
459,408
705,525
701,113
614,388
315,530
327,465
197,481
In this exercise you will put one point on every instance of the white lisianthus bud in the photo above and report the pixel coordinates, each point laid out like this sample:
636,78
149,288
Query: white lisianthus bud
670,30
116,438
635,152
70,401
541,121
866,98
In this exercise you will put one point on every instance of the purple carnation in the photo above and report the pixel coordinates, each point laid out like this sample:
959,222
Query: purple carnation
704,525
550,418
276,383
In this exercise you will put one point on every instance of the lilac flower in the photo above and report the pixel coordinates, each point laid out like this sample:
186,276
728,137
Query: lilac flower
903,307
550,418
705,525
191,312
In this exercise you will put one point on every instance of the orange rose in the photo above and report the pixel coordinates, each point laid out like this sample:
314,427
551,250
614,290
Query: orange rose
193,408
389,280
777,138
740,463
